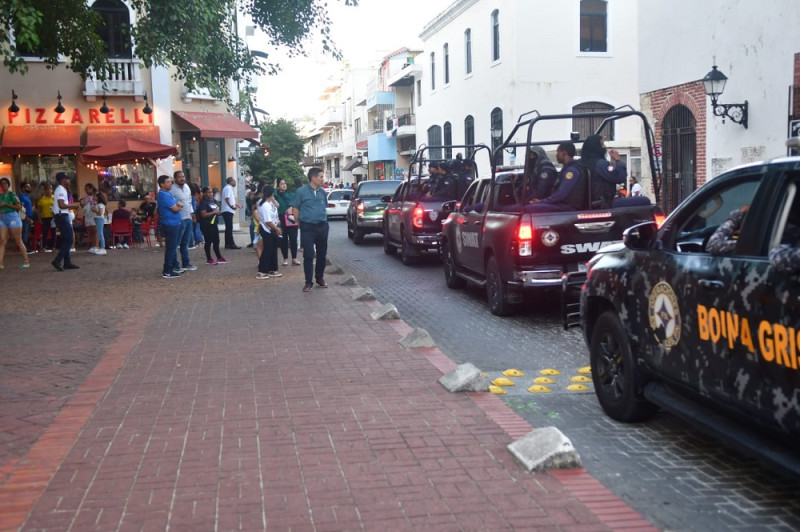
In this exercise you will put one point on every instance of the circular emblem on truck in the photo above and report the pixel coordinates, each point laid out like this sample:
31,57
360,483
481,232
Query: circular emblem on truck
549,238
665,317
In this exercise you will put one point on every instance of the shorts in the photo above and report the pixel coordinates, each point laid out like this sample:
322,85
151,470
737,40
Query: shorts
10,220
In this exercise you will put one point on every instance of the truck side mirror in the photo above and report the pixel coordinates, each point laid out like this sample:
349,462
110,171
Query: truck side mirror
449,206
641,236
386,199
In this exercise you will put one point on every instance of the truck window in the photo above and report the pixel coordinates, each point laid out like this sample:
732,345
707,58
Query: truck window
789,211
702,223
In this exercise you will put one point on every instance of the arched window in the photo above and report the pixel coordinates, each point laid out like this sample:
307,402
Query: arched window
433,71
448,140
495,35
469,132
594,29
588,125
115,29
446,53
496,133
468,51
434,140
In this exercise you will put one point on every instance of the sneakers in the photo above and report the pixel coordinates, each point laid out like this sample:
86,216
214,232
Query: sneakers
101,251
262,276
212,262
71,267
275,274
178,270
57,266
92,250
189,268
118,246
286,263
192,247
158,245
295,262
25,265
170,275
48,250
125,246
222,260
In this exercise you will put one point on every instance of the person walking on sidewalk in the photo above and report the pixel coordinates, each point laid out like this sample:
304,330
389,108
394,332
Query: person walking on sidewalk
10,222
208,213
229,207
308,207
169,216
183,194
61,207
27,207
288,223
270,233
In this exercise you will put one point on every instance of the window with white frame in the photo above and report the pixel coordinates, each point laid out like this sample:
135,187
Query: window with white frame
115,29
468,51
496,133
588,125
594,26
496,35
469,132
446,57
447,130
433,71
435,142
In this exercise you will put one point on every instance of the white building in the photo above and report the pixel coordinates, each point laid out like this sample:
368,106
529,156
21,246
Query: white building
756,45
486,62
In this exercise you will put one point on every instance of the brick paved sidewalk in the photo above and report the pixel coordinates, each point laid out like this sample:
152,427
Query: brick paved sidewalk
260,407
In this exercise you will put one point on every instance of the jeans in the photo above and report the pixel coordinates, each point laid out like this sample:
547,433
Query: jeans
184,231
314,240
27,223
67,237
171,234
228,217
99,222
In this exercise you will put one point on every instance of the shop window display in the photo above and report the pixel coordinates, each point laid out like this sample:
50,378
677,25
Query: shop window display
126,181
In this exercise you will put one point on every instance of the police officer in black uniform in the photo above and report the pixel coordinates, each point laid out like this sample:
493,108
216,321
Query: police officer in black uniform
570,194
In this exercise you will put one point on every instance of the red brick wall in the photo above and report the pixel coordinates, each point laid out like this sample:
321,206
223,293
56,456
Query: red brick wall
693,96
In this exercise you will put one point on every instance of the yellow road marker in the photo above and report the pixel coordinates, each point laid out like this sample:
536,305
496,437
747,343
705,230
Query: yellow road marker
585,369
502,381
580,378
543,380
539,389
497,390
577,388
549,371
513,373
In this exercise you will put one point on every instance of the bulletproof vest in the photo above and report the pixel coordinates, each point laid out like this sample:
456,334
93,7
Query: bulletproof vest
602,191
577,196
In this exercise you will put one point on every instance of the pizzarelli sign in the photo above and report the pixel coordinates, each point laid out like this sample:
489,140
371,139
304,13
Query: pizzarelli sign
26,116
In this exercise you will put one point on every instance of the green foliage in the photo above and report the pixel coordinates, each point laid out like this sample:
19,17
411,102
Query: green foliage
285,168
197,37
285,153
283,140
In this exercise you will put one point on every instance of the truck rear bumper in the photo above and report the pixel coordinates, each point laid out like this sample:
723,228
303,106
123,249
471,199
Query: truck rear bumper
430,242
542,277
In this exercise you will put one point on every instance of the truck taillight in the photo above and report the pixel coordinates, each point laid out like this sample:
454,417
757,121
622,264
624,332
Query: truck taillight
660,219
360,207
416,219
525,239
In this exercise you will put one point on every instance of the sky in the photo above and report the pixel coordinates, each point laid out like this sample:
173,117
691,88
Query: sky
364,34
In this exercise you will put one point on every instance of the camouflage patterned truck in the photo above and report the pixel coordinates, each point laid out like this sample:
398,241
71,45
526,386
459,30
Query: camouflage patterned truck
712,338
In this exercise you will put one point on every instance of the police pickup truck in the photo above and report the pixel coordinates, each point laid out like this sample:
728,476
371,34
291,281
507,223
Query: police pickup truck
492,240
413,217
712,337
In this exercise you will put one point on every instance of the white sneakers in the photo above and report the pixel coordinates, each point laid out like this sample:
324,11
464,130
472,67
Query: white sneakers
98,251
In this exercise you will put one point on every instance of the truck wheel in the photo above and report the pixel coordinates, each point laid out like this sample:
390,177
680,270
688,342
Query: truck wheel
450,277
497,291
614,371
358,236
388,248
405,251
350,233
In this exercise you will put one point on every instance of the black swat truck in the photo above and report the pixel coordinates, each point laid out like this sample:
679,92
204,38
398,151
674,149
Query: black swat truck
496,237
413,217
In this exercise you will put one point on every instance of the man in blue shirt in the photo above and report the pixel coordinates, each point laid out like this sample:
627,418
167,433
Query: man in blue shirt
169,216
308,205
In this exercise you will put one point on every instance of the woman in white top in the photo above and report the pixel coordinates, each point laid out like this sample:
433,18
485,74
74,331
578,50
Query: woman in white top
270,233
99,212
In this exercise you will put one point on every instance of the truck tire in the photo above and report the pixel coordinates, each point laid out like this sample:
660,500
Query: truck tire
406,250
451,278
388,248
614,371
497,291
350,233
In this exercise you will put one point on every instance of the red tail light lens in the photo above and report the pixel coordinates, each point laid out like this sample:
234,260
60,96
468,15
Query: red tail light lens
660,219
416,219
525,239
360,207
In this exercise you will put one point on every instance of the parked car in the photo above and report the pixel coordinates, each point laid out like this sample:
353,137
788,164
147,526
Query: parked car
338,200
711,337
365,211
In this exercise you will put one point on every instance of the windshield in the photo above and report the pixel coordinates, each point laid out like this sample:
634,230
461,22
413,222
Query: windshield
376,189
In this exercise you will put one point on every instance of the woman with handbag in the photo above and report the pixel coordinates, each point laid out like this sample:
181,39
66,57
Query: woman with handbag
288,223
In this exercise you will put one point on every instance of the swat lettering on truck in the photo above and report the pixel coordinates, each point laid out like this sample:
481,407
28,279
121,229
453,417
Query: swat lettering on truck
507,236
702,315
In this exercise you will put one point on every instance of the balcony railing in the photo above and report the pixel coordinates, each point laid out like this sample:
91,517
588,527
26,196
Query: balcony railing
124,76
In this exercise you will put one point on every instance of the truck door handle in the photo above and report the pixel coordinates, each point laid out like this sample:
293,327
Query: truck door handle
711,284
478,222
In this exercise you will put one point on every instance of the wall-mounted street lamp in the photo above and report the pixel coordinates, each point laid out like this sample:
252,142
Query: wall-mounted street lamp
59,108
147,109
104,108
714,83
13,108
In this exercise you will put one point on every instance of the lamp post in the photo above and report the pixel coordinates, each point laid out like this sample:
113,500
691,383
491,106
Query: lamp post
714,83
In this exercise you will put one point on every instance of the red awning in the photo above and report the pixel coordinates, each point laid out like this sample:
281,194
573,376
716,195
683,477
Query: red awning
216,125
127,150
41,140
97,136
